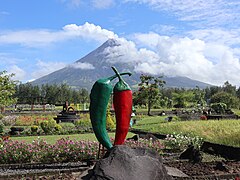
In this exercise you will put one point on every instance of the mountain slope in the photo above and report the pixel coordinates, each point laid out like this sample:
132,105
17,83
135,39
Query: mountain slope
85,71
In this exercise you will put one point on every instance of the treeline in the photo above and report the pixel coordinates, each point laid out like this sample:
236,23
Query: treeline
151,93
49,94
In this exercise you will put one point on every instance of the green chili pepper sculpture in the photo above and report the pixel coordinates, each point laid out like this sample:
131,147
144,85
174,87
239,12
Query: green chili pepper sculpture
99,98
122,101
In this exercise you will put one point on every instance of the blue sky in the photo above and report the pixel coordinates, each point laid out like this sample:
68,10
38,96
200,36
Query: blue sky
199,39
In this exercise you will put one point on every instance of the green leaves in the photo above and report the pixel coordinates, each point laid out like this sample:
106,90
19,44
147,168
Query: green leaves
149,90
7,89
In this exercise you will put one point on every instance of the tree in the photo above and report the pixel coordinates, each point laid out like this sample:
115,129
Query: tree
149,89
181,98
228,88
224,97
199,96
7,90
238,92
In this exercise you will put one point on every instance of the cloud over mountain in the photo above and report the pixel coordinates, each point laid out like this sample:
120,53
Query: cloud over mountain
202,55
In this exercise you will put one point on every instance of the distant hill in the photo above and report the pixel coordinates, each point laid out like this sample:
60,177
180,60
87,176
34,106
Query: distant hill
81,73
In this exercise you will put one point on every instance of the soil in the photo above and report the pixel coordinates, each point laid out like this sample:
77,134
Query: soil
217,168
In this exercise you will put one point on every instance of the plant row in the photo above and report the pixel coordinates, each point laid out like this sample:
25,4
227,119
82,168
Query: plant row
67,150
46,125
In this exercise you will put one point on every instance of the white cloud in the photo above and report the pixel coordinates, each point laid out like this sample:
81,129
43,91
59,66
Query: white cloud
208,62
8,59
88,31
98,4
217,35
103,4
209,13
19,74
72,3
80,65
36,38
127,52
44,68
163,29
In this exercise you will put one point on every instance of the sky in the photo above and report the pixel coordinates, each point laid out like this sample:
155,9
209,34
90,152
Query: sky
198,39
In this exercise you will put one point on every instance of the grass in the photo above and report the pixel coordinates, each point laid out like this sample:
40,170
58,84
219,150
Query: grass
223,132
53,138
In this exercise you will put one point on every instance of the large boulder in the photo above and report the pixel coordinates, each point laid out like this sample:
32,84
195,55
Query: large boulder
125,163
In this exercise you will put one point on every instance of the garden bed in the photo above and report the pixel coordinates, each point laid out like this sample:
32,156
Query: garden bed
208,170
203,170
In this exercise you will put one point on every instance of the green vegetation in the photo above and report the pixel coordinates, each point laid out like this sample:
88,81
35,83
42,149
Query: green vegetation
51,139
7,89
224,131
148,92
49,94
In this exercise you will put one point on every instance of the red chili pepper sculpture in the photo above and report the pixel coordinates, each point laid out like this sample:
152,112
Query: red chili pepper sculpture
99,97
122,101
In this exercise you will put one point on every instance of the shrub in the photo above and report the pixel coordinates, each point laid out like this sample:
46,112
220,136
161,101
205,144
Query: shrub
180,141
15,152
1,127
84,125
24,121
64,150
39,119
1,116
9,120
58,127
48,126
34,129
145,143
67,126
219,107
109,122
44,126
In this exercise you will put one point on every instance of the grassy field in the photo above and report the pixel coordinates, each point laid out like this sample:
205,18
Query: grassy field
53,138
218,131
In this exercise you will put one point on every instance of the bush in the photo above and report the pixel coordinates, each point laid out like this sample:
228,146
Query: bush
44,126
1,127
109,122
181,141
24,121
34,129
64,150
48,126
58,127
219,107
68,128
84,125
9,120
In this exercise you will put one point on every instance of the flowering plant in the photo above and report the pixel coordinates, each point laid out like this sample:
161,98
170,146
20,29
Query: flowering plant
64,150
156,145
180,141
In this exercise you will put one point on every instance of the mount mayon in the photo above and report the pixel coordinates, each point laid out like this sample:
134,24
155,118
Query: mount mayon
97,64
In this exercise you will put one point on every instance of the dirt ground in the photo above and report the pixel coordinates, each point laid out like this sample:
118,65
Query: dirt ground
206,168
216,168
